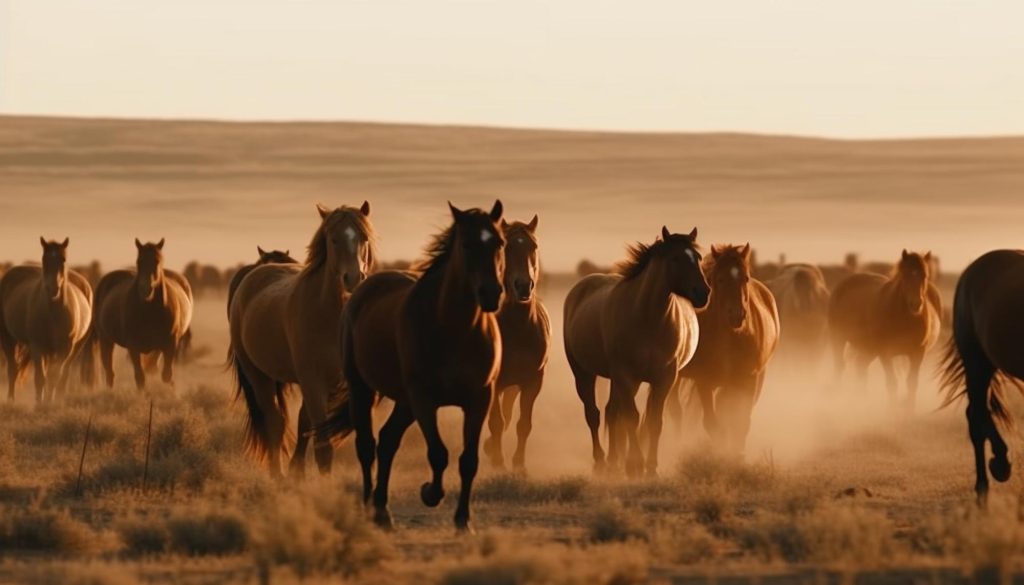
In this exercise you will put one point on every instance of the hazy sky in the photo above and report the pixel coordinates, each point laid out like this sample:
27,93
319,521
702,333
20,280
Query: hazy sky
857,68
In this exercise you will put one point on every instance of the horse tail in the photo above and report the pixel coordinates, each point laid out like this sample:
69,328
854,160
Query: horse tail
184,347
257,439
87,358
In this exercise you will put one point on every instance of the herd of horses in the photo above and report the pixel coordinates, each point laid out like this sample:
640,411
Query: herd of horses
464,327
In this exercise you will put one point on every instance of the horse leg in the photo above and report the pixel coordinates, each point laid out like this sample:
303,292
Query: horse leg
496,427
54,367
140,372
473,422
838,356
390,438
508,402
913,378
168,372
627,422
737,402
12,370
527,397
360,403
890,377
863,361
674,404
707,402
431,492
40,368
585,383
107,359
314,402
653,419
297,465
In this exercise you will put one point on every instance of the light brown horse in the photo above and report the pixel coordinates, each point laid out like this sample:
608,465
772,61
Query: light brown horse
45,312
739,331
425,343
885,318
802,298
525,337
286,329
985,352
264,257
635,326
145,310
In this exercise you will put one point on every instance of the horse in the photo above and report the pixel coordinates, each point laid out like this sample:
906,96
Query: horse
525,337
984,353
885,318
739,331
802,299
145,310
637,325
426,340
285,322
45,313
264,257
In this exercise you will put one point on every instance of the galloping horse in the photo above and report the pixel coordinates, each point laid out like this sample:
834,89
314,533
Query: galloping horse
427,342
635,326
802,298
525,337
739,330
286,329
145,310
45,312
887,317
271,257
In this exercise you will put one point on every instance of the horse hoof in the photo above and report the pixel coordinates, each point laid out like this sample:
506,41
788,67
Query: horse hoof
463,527
382,518
430,498
1000,468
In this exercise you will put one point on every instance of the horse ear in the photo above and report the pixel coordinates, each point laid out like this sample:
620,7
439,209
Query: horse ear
715,251
322,210
745,251
260,251
665,233
928,256
365,208
905,253
65,243
138,244
693,234
533,223
287,252
504,224
160,244
42,241
456,212
497,210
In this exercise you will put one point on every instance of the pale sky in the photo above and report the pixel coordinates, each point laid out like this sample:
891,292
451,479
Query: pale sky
866,68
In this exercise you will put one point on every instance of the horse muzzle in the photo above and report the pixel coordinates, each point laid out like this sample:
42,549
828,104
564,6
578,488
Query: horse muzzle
522,290
489,297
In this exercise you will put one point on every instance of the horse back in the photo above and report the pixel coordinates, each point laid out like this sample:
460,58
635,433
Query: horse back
179,302
582,322
987,309
258,315
17,288
525,338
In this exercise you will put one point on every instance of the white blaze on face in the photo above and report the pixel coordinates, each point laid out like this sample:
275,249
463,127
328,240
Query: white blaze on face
485,236
734,272
691,256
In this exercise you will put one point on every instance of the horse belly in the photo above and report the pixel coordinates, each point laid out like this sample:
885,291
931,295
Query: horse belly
265,344
376,351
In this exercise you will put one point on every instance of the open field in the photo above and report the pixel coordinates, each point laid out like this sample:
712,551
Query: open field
835,487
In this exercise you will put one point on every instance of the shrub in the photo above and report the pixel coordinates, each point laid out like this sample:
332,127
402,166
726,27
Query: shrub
611,522
45,530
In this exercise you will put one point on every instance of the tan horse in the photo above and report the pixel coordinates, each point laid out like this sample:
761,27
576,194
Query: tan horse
802,298
525,337
886,318
635,326
271,257
984,355
286,329
739,331
45,312
145,310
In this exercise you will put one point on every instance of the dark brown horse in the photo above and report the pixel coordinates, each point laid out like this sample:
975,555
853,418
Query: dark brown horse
145,310
739,331
985,353
635,326
271,257
802,298
885,318
286,329
425,343
45,312
525,337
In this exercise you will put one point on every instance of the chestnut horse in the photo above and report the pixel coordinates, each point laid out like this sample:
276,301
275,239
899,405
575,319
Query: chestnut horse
525,337
271,257
635,326
427,342
285,325
886,318
145,310
802,298
739,331
45,312
984,353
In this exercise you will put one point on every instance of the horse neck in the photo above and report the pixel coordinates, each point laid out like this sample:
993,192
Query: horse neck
326,280
159,292
652,293
716,311
456,303
891,297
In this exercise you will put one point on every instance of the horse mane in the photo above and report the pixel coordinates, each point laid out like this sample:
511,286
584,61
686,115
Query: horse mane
640,255
519,228
437,251
316,251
